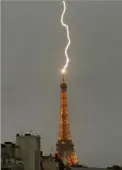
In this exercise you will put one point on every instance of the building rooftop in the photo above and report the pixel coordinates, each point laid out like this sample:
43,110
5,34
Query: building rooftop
8,142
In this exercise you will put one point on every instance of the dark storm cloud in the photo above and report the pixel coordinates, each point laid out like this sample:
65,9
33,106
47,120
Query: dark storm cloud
33,41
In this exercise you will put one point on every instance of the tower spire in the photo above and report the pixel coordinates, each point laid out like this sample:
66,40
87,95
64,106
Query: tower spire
63,78
65,145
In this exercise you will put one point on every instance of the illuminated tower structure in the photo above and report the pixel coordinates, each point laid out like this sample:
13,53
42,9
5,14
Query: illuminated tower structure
64,146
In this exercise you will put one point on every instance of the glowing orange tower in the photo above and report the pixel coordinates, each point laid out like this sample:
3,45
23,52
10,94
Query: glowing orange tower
64,145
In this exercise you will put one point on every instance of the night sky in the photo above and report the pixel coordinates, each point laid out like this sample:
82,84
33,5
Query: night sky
33,42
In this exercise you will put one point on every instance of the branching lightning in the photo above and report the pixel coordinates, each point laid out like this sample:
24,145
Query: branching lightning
68,37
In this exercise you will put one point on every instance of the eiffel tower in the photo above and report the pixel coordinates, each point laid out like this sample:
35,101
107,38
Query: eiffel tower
64,146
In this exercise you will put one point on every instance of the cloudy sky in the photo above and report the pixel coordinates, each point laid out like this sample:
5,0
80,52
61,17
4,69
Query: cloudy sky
33,42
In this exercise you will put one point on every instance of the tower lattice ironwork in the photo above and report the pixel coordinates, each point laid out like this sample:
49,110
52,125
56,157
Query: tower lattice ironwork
64,145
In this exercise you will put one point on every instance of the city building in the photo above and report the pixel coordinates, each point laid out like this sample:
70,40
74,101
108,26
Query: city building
9,161
22,155
29,150
8,150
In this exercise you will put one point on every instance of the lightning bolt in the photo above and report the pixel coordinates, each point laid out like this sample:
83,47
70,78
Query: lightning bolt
68,38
